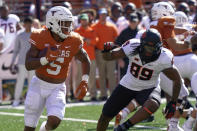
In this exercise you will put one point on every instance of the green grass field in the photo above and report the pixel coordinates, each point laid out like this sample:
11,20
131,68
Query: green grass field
80,118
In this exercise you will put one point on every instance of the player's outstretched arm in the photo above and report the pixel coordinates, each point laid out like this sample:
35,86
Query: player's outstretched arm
81,90
112,52
173,74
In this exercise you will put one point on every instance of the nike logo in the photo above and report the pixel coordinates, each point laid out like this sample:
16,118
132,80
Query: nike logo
3,67
52,55
67,47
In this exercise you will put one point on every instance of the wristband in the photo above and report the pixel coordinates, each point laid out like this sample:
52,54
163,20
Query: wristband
43,61
85,78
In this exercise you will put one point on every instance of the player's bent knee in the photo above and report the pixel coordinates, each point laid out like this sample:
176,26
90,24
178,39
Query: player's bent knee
150,106
53,122
29,128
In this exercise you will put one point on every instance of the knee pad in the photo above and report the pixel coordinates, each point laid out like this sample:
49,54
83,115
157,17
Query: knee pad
156,95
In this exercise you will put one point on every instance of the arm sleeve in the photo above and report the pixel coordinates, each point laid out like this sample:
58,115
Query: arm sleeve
130,46
167,60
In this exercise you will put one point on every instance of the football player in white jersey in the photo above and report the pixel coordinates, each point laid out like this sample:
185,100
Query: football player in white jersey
10,24
158,12
2,39
188,124
141,82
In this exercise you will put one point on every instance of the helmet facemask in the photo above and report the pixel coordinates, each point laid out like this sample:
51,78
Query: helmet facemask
64,26
150,47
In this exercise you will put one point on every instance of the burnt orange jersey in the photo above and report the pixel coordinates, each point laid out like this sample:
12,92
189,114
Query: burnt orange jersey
58,69
165,25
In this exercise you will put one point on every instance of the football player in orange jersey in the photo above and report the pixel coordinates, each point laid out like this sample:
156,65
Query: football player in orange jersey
52,48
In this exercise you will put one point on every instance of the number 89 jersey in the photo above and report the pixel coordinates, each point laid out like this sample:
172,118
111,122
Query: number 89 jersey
141,76
58,69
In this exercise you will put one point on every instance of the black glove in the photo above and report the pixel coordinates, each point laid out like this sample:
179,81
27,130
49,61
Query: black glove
170,109
108,46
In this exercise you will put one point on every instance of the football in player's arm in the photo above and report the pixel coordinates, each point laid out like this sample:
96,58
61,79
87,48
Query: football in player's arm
147,60
52,49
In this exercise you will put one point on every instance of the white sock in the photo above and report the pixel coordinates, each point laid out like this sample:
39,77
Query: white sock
125,113
42,127
174,121
189,122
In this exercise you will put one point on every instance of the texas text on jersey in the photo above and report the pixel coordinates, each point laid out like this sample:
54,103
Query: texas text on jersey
69,47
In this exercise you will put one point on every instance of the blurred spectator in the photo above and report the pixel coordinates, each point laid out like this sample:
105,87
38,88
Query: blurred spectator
91,14
123,22
89,38
36,24
192,6
105,32
128,33
10,25
116,12
67,5
183,7
147,4
130,8
115,15
21,47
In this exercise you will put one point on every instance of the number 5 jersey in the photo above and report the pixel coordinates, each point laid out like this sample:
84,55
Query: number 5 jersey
141,76
58,69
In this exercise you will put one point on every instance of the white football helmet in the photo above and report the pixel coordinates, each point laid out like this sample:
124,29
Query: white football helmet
55,16
161,9
181,18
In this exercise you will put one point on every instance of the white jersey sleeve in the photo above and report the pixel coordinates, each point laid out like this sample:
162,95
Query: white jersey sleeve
167,59
130,46
2,35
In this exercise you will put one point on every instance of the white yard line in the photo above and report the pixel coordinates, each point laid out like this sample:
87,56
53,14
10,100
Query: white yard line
68,105
80,120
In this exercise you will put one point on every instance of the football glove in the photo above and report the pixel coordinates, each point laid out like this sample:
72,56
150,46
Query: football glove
170,109
81,90
108,46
